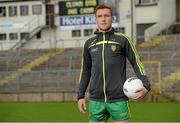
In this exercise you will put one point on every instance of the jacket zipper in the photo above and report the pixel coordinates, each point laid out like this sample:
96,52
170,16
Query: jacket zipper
103,63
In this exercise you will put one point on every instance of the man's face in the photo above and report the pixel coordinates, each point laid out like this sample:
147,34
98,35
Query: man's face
104,19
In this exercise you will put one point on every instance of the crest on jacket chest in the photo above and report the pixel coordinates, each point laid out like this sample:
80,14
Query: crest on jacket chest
113,48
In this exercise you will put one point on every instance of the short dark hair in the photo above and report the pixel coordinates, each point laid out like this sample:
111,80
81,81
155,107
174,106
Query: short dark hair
103,7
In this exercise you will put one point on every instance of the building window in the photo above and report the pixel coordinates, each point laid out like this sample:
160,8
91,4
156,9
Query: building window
12,10
3,36
24,10
24,35
36,9
76,33
88,32
38,35
2,11
146,2
13,36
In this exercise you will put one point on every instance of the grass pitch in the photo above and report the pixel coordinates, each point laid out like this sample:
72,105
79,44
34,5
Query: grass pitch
68,112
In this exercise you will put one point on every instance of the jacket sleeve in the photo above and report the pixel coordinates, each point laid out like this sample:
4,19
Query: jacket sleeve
85,73
136,63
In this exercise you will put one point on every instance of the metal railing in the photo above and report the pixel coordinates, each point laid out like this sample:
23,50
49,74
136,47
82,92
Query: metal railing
30,28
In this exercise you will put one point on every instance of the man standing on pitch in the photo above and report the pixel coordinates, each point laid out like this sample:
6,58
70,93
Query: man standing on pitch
104,68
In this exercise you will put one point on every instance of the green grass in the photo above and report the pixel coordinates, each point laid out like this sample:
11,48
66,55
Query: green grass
155,112
68,112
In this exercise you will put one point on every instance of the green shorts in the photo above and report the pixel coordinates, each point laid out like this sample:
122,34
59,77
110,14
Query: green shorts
101,111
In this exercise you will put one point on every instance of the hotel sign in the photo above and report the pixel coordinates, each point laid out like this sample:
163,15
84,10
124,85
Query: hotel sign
82,21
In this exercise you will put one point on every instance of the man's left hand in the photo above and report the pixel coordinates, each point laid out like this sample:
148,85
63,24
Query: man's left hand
142,93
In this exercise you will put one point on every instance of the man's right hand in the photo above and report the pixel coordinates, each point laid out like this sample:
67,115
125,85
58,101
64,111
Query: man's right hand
82,105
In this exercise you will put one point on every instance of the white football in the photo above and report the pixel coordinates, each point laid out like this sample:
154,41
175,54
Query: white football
131,85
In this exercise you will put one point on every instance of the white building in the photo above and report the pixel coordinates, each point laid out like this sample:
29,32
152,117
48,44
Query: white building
61,23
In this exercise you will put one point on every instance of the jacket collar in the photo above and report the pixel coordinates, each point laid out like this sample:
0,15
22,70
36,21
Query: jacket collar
109,32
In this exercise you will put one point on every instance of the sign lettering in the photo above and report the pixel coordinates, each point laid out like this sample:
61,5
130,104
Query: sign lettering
78,7
82,21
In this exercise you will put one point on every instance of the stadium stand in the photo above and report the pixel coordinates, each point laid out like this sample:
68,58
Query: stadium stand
46,71
57,71
152,43
30,65
167,53
29,78
70,60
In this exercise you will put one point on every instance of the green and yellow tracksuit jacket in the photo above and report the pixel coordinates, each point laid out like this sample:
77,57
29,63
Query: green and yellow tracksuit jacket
104,66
